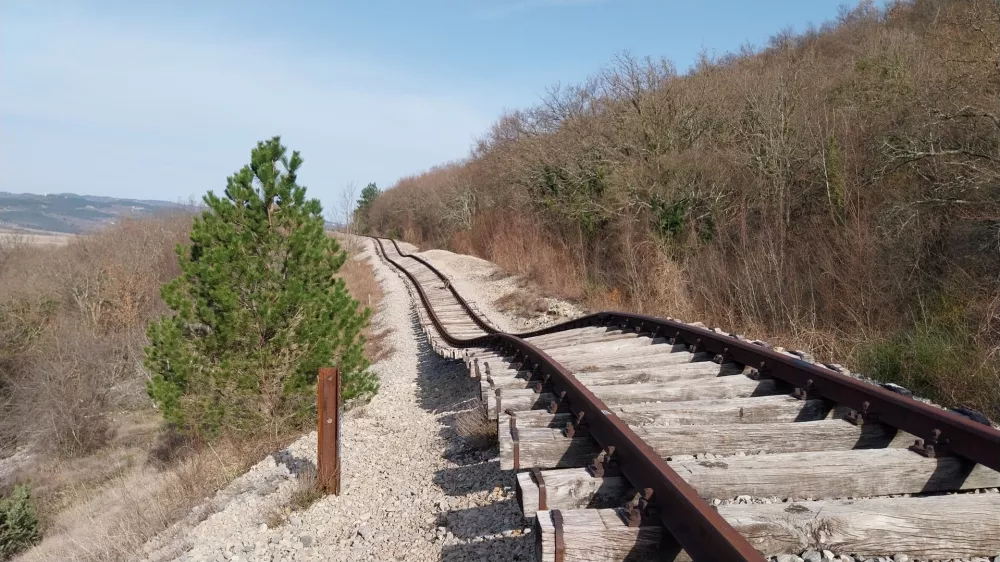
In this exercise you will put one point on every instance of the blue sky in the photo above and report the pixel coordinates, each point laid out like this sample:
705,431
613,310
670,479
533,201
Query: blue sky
163,100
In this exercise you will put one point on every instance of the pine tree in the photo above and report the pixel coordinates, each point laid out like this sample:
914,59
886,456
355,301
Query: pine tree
365,202
18,522
257,309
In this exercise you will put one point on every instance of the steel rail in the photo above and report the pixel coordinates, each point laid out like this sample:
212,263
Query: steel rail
942,431
684,514
485,326
696,526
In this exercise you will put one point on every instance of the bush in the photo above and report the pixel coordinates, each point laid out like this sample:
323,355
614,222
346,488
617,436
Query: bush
72,332
18,522
936,360
257,309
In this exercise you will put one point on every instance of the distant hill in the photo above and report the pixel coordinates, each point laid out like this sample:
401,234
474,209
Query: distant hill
71,213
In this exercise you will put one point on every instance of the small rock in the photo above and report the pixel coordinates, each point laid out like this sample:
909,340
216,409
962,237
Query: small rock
364,532
828,556
306,540
262,528
812,556
788,558
901,558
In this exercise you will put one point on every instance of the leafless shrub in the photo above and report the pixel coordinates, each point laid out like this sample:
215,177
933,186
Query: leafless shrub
73,320
69,393
12,244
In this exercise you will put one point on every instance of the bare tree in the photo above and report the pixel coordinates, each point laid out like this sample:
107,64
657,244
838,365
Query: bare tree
343,215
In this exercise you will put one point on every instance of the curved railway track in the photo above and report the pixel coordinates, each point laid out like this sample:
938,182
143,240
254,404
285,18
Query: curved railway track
644,438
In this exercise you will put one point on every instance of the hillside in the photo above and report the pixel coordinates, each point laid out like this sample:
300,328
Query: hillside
835,191
70,213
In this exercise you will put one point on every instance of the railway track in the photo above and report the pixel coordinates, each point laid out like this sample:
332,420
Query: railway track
640,438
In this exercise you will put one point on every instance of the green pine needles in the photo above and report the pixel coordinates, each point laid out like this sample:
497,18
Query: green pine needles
18,522
257,310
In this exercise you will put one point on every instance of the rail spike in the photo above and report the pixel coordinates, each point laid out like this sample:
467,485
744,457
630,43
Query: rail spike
604,464
640,508
572,427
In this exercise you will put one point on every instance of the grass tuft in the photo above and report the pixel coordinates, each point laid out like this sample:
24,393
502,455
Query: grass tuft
476,428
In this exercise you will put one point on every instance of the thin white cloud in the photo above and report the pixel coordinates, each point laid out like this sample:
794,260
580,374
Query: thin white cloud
173,113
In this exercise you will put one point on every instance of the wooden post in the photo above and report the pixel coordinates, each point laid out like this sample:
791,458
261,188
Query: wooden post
328,446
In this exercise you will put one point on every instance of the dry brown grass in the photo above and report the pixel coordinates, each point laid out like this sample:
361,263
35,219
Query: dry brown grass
476,428
103,508
523,303
305,494
306,491
361,283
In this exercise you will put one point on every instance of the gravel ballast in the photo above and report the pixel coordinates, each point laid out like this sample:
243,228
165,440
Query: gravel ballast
483,284
412,488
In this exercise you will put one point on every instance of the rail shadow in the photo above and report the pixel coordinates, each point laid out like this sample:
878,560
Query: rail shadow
486,520
470,478
514,548
445,388
950,473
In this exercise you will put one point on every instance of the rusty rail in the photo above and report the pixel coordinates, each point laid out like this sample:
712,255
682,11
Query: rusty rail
697,527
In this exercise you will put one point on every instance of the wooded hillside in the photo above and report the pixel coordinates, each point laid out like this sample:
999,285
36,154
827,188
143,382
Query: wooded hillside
836,190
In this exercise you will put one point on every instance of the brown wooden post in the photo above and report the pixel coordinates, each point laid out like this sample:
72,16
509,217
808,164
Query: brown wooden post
328,446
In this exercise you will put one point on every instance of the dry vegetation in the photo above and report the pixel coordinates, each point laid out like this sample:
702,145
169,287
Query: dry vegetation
474,426
523,303
836,191
361,283
105,473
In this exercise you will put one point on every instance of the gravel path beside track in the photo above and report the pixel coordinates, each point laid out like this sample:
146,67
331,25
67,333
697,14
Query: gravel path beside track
412,489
